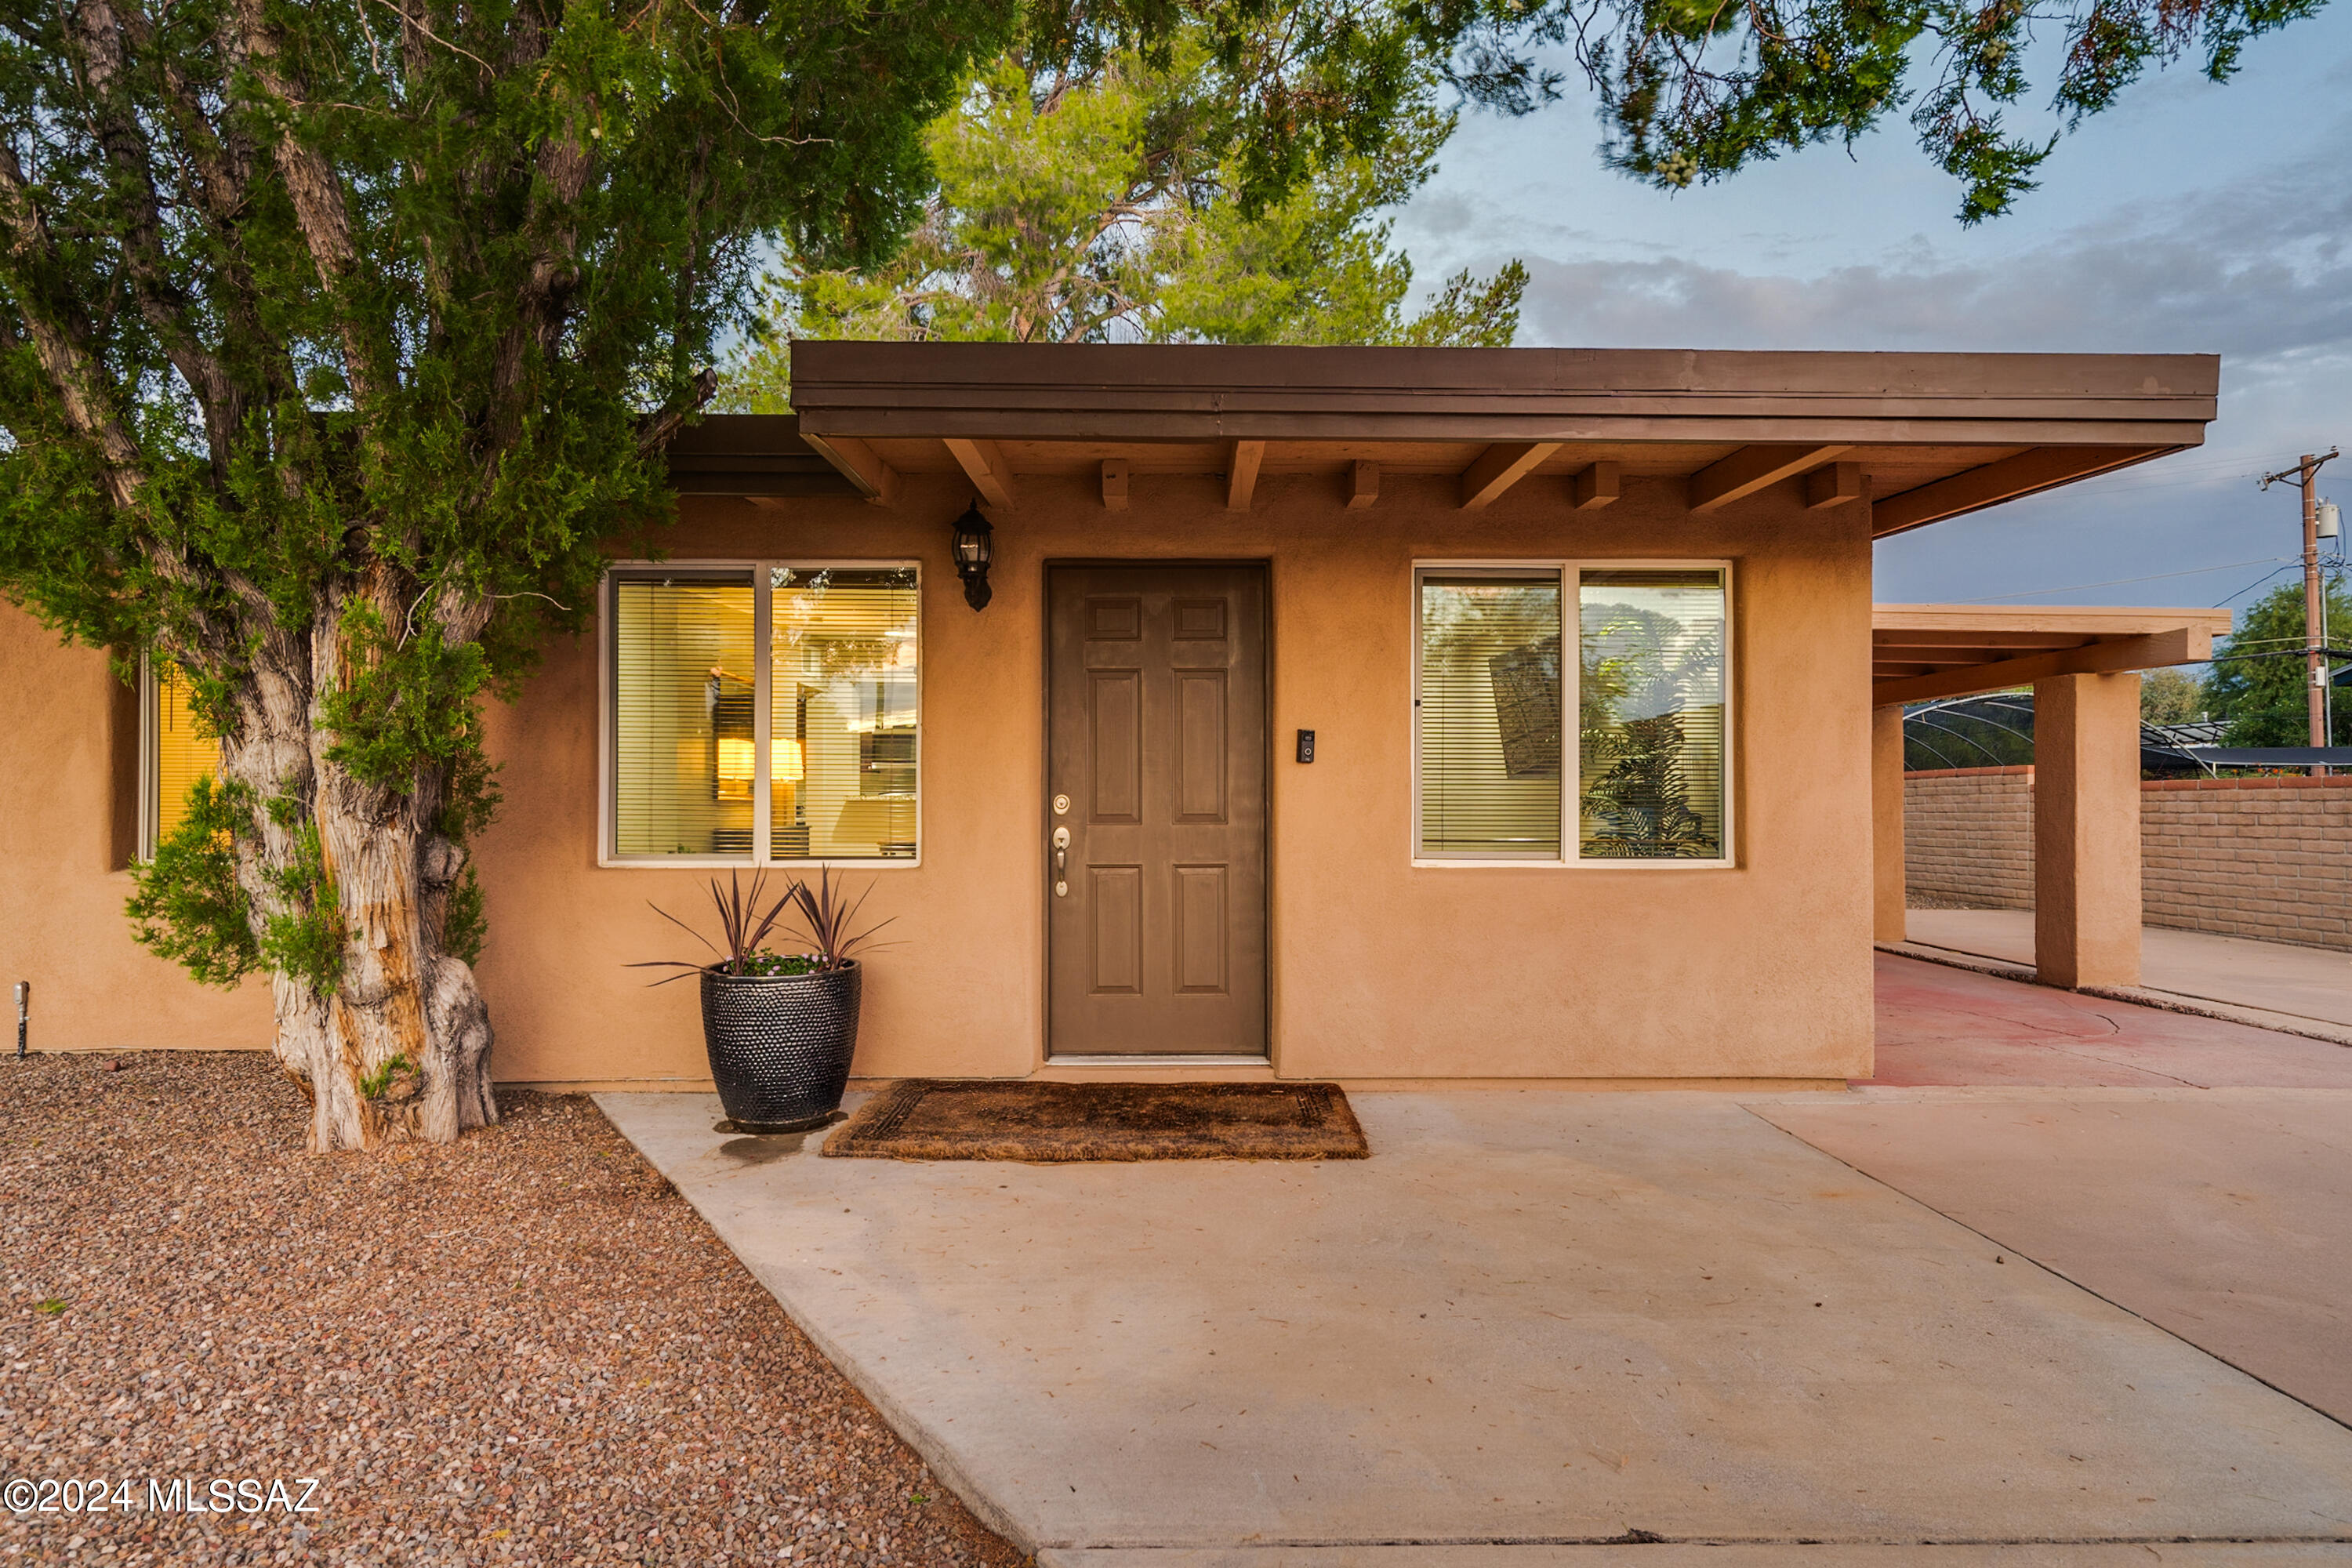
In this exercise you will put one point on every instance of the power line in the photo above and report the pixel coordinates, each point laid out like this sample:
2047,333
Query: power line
2255,583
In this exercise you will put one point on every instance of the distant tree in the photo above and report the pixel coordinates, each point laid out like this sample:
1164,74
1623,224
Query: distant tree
2263,698
2170,697
1112,204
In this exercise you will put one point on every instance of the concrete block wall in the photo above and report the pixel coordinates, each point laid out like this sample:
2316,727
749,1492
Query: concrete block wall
1968,837
2263,857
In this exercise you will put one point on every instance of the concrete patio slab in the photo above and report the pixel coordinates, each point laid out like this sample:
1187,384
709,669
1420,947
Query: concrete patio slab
2223,1220
1536,1321
2275,976
1938,1024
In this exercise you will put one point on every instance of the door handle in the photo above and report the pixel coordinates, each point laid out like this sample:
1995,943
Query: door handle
1060,849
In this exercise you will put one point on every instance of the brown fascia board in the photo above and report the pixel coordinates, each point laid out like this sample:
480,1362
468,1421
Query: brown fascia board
751,454
1198,392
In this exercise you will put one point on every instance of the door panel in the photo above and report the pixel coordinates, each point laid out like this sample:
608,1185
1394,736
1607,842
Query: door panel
1157,735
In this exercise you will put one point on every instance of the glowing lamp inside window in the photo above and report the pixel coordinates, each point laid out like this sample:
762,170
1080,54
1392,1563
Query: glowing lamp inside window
792,762
734,768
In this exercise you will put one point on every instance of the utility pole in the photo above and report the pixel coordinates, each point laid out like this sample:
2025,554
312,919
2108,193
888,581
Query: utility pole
2314,602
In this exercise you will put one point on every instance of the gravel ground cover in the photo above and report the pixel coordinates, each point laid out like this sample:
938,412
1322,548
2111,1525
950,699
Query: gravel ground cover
522,1349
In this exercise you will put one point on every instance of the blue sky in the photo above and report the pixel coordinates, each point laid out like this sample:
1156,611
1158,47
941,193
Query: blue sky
2191,217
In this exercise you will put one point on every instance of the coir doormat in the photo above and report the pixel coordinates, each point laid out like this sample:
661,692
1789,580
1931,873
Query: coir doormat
936,1119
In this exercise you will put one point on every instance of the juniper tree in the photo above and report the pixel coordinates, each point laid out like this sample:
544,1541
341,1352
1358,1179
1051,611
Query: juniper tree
1695,91
334,340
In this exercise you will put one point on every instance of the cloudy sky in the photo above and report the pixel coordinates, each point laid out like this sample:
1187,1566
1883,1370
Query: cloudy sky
2191,218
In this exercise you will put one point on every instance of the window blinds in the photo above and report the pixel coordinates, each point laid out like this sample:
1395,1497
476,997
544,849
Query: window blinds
1488,703
183,753
682,715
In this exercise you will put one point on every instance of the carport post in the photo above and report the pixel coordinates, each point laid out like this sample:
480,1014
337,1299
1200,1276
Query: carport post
1887,900
2086,894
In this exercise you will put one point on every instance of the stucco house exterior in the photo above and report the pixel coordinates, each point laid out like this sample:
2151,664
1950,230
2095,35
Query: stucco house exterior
1393,716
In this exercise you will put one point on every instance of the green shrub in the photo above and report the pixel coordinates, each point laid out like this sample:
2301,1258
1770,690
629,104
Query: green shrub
187,906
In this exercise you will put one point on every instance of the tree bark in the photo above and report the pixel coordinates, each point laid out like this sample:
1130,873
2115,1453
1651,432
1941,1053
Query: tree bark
395,1044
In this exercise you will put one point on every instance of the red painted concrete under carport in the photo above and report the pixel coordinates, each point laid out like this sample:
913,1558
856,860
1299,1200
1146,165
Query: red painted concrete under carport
1952,1027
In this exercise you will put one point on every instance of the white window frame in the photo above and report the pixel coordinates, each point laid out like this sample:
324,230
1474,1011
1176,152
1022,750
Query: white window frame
1569,571
762,570
151,762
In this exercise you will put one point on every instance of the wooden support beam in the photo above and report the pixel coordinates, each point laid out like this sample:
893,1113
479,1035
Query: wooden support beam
1939,636
1752,469
1596,486
1499,468
983,463
861,465
1114,484
2184,645
1989,484
1363,486
1241,459
1832,484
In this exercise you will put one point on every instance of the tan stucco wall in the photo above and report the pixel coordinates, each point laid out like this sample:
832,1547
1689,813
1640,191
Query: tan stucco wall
68,764
1382,970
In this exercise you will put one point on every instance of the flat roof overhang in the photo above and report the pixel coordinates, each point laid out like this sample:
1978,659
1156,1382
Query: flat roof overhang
1922,652
1925,436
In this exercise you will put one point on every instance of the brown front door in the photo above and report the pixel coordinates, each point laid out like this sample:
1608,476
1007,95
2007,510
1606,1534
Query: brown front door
1156,769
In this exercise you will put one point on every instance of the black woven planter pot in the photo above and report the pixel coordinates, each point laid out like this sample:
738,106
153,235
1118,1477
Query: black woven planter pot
781,1045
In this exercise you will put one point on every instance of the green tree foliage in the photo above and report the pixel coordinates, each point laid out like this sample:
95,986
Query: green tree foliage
335,340
1692,90
2170,697
1089,205
186,905
2263,698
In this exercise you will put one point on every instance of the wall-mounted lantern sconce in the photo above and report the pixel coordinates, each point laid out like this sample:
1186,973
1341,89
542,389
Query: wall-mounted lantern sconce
972,555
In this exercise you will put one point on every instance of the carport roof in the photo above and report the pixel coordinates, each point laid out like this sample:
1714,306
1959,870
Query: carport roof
1919,652
1925,436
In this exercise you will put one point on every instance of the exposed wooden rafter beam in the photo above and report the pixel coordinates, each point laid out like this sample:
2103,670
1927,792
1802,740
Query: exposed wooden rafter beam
1596,486
1752,469
2005,641
983,463
1114,484
1832,484
1499,468
2038,468
859,463
1363,486
2183,644
1242,461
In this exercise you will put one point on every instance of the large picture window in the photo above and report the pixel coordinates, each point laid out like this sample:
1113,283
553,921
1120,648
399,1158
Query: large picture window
1645,775
763,713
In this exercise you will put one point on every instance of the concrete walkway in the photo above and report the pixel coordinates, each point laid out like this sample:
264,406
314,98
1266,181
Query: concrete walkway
1535,1324
2299,981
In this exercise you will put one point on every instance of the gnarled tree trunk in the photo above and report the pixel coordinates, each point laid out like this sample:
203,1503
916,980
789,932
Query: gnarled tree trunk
384,1029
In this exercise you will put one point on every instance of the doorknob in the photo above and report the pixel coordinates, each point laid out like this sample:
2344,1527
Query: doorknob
1060,849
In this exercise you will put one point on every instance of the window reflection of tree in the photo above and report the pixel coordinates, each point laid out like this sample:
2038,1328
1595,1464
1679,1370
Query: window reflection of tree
1642,670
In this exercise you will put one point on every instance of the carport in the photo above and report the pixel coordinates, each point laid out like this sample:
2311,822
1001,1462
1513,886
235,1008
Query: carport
2084,665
